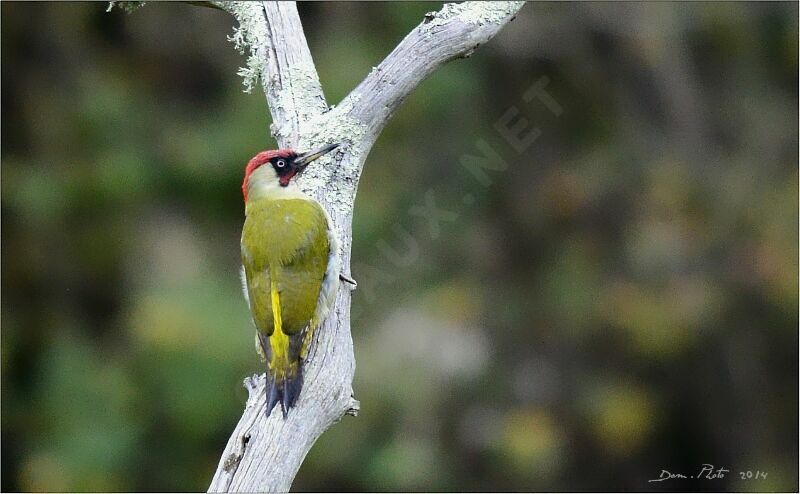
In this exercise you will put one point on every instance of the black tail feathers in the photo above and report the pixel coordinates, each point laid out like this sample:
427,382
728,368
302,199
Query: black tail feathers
284,390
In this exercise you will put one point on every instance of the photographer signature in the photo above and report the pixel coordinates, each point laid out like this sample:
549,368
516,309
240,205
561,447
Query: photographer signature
709,472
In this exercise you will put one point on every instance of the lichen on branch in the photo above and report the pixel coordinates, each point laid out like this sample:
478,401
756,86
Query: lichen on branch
250,37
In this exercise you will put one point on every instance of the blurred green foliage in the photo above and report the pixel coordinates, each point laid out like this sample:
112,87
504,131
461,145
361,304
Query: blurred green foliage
621,300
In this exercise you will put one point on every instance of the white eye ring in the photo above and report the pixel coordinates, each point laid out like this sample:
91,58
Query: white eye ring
280,163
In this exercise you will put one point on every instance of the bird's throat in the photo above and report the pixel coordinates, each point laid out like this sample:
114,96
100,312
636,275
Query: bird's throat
267,186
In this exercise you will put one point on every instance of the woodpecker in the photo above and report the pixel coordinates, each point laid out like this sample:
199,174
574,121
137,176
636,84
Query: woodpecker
290,267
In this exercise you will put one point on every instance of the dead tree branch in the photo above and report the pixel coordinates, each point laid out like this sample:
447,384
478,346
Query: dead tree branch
264,454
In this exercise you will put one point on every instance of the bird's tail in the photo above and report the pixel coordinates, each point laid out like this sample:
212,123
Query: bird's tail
284,364
283,386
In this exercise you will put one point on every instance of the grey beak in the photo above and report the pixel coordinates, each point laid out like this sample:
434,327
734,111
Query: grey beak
303,160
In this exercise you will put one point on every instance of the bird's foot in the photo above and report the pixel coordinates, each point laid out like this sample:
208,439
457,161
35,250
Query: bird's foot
349,281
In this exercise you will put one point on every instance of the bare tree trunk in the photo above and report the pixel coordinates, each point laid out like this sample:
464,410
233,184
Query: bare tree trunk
264,454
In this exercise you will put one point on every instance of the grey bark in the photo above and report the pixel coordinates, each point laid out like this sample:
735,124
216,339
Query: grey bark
264,454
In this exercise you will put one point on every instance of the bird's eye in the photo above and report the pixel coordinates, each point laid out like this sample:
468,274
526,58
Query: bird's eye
280,163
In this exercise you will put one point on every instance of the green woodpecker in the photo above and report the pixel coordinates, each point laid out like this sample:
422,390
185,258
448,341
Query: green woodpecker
290,267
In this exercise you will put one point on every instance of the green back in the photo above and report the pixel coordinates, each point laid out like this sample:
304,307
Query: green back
287,239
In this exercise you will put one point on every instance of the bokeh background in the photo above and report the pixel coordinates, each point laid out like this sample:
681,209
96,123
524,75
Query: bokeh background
621,300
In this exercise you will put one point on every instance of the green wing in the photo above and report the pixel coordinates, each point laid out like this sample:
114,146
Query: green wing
286,239
285,255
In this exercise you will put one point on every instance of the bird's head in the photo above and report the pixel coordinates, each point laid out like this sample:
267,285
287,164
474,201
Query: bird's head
284,164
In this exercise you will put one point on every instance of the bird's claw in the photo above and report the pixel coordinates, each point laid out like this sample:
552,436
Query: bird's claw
349,281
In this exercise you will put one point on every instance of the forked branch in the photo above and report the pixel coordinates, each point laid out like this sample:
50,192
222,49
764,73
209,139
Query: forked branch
264,454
